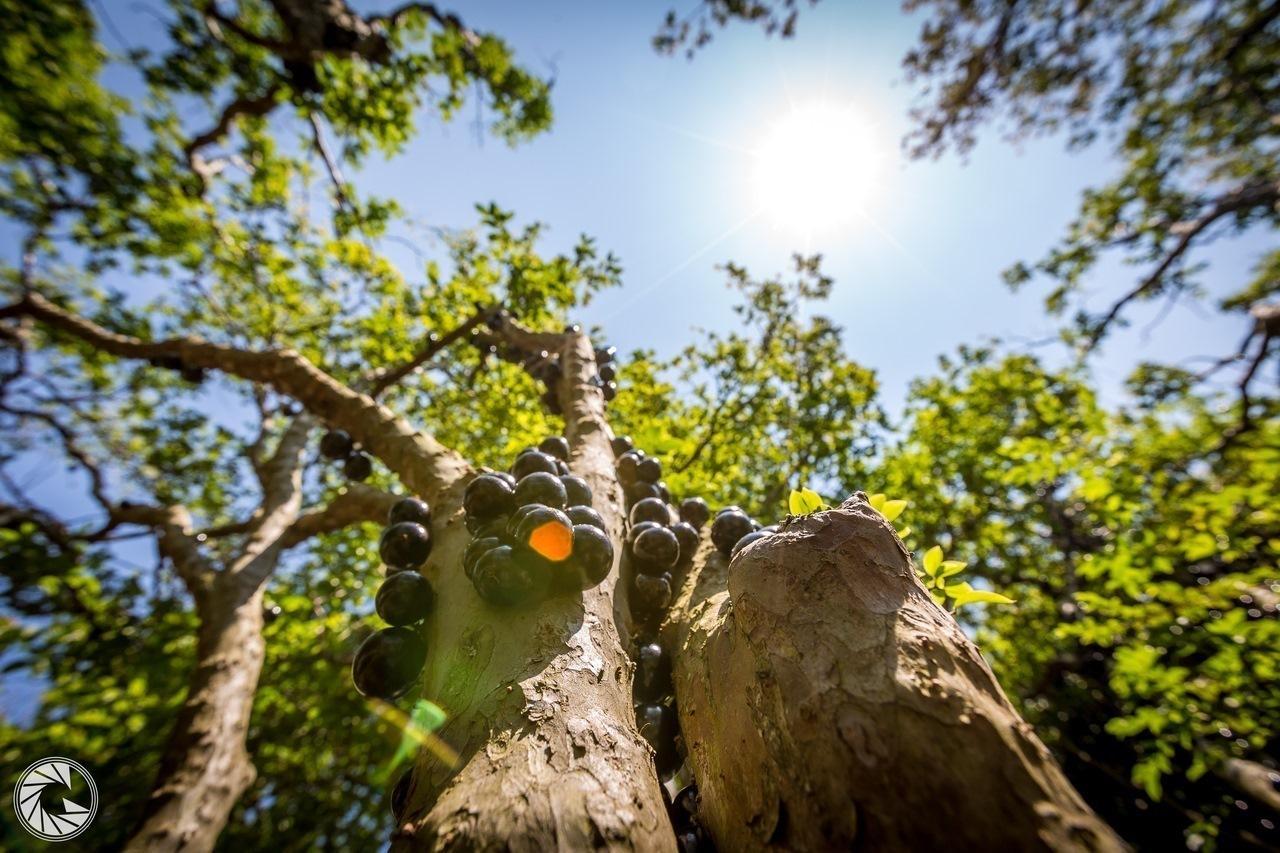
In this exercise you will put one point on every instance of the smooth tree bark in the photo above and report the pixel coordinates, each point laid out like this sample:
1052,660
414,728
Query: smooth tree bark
827,702
539,699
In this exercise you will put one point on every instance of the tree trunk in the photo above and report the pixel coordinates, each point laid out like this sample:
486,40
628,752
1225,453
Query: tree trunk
539,698
205,767
827,703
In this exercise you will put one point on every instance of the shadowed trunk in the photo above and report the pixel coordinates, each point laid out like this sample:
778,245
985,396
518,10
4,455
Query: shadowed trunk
205,767
828,703
539,699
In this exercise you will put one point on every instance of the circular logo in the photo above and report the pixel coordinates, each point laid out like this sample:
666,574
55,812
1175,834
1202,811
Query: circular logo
55,799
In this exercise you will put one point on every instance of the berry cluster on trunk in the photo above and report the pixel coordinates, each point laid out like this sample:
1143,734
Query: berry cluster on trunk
534,530
338,446
389,662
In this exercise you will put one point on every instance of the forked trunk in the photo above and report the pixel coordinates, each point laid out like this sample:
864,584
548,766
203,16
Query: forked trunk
828,703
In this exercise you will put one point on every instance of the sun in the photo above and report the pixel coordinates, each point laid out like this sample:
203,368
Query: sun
816,168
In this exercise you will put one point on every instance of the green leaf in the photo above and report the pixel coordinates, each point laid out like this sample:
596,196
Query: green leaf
892,509
952,567
812,500
795,503
804,501
932,559
963,593
904,533
877,500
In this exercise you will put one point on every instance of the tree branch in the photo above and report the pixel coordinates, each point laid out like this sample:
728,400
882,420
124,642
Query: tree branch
384,378
356,503
245,105
424,465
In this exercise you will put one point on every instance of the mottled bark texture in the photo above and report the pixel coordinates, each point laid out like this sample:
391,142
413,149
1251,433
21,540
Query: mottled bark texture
828,703
539,699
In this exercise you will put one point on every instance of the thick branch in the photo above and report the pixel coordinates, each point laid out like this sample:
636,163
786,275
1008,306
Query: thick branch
422,463
354,504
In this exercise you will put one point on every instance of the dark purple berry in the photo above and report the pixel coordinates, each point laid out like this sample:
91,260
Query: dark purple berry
555,446
621,444
405,545
628,462
688,538
506,477
650,509
754,536
586,515
650,594
655,550
653,672
641,490
592,556
387,664
637,529
730,508
488,496
336,444
358,467
649,470
728,528
477,549
532,463
562,468
605,355
608,372
695,511
541,488
577,490
410,509
664,494
610,390
405,598
501,577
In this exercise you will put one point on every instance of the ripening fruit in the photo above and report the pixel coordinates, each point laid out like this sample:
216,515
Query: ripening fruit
586,515
728,528
626,467
653,672
650,509
387,664
695,511
502,578
541,488
358,467
754,536
649,469
546,532
477,548
556,446
410,509
640,490
688,538
621,444
577,490
655,550
592,556
488,496
651,594
405,545
405,598
336,444
532,462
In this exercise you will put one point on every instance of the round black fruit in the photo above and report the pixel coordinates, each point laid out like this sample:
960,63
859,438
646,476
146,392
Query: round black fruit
562,468
387,663
478,547
657,724
506,477
640,490
608,372
687,536
496,526
541,488
556,446
488,496
652,594
728,528
610,390
605,355
410,509
577,490
546,533
649,470
405,545
336,444
502,578
655,550
754,536
650,509
730,508
628,462
358,467
621,444
532,463
695,511
586,515
664,494
653,672
592,556
637,529
405,598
